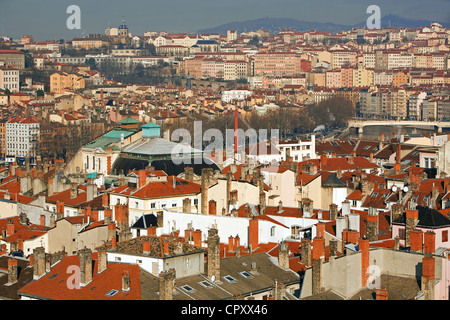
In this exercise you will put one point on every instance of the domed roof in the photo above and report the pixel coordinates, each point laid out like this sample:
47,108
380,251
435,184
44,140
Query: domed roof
123,25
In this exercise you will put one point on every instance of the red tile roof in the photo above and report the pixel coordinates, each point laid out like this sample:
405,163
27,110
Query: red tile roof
54,284
161,188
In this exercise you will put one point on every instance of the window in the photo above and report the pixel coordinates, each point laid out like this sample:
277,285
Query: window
187,288
118,259
272,231
111,293
153,205
245,274
206,284
138,261
230,279
445,236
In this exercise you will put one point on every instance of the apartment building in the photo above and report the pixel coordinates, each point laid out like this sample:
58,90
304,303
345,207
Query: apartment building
236,69
61,82
22,137
12,58
277,64
9,79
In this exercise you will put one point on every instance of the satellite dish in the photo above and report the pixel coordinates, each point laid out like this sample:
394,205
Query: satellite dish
405,189
394,189
213,278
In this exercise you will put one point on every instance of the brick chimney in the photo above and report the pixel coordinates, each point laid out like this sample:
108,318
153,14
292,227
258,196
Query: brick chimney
167,284
10,229
212,207
73,190
372,224
59,210
111,230
412,218
213,262
397,211
320,229
381,294
429,243
105,200
85,256
12,271
306,252
283,255
38,262
146,248
333,244
253,234
197,237
364,249
280,206
125,281
189,174
333,211
102,261
416,240
231,244
187,206
42,220
428,277
204,190
317,275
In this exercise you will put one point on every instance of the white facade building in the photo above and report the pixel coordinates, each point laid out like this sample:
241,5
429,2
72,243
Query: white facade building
22,137
9,79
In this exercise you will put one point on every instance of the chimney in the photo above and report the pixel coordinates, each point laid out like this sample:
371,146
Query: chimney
416,240
306,252
262,196
396,243
231,247
167,284
381,294
23,219
333,244
10,229
73,190
146,247
197,237
189,174
429,243
397,211
187,207
107,215
113,243
213,262
91,192
333,211
364,249
320,230
59,210
142,178
105,200
52,220
237,246
345,208
253,234
372,224
85,256
12,271
307,208
229,180
204,190
125,281
412,217
366,186
102,261
317,276
111,230
283,255
42,220
428,277
38,262
212,207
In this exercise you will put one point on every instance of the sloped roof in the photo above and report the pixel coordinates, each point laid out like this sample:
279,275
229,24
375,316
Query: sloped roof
333,182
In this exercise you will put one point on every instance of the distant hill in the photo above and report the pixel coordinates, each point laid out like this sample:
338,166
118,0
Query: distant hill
274,25
398,22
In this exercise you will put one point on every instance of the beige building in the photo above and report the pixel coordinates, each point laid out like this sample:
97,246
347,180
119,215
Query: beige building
61,82
74,233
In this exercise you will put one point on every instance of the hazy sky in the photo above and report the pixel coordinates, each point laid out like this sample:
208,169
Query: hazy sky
46,19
